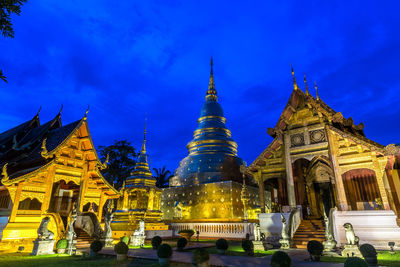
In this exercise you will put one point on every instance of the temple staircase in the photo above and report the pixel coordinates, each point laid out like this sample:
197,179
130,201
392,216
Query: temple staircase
308,230
83,240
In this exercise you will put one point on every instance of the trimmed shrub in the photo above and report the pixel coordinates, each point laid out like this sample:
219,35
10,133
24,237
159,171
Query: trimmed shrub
156,242
200,255
186,231
125,239
368,250
96,246
281,259
62,244
222,244
355,262
121,248
181,243
369,253
248,246
164,251
315,249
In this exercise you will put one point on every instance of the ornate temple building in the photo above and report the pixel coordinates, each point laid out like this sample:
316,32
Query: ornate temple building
140,200
318,160
208,183
46,168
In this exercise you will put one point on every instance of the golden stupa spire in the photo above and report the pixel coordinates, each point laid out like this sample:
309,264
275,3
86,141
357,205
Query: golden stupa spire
143,151
211,92
295,87
316,90
305,82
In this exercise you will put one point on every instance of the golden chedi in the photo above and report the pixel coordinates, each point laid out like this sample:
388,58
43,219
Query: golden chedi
140,200
207,184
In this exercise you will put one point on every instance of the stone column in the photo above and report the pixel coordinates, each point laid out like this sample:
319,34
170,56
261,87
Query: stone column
262,191
101,204
333,153
289,173
49,189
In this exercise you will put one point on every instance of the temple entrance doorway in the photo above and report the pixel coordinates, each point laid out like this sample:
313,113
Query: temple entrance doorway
314,187
63,196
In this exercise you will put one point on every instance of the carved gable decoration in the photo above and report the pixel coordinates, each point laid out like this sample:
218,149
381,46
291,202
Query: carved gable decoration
320,173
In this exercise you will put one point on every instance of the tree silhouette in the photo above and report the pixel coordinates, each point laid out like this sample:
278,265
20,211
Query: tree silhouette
121,161
7,8
162,176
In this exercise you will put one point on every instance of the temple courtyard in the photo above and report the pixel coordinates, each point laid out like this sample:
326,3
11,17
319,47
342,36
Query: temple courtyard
147,257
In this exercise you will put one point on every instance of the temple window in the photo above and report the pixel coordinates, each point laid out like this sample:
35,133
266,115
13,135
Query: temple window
5,201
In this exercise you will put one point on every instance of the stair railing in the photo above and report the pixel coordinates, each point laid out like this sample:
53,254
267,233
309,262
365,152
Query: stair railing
294,222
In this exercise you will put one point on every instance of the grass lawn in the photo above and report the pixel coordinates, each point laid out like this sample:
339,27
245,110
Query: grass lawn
25,260
236,250
384,258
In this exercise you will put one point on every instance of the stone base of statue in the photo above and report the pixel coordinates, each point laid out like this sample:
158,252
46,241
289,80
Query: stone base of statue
262,245
107,242
137,240
329,245
43,247
285,243
351,251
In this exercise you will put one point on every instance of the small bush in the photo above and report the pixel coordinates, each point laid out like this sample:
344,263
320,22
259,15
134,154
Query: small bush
121,248
280,259
200,255
222,244
355,262
368,250
96,246
181,243
125,239
186,231
164,251
62,244
247,245
156,242
315,247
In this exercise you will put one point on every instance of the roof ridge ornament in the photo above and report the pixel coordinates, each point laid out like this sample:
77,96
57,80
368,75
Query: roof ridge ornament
305,82
61,109
295,87
40,109
86,112
5,174
44,152
316,90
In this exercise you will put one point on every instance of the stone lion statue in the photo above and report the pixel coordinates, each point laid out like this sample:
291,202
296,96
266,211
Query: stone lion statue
351,238
43,232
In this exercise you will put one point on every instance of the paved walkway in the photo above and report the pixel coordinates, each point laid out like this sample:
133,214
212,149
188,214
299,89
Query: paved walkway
298,258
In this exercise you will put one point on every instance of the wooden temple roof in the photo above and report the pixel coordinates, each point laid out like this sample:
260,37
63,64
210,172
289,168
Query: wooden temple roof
22,147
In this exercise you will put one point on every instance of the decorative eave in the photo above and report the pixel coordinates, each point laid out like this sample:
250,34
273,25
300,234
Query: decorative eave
263,156
392,149
359,139
115,191
27,175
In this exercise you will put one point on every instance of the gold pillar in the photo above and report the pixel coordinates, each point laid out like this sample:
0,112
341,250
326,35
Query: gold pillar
379,172
49,189
289,173
101,204
260,181
333,153
16,202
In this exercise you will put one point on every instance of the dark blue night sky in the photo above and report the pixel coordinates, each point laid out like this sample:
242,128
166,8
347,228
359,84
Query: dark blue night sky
126,58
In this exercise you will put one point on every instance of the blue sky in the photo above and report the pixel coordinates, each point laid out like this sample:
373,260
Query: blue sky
129,58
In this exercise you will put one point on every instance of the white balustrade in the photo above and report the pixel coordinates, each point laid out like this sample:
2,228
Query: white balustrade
226,230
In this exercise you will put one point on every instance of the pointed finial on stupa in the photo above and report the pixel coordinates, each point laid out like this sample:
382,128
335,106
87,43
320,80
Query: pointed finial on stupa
305,82
316,90
295,87
211,92
143,151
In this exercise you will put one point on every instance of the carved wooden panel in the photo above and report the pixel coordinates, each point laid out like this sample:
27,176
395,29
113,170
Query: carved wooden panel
317,136
297,140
